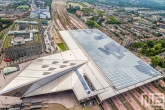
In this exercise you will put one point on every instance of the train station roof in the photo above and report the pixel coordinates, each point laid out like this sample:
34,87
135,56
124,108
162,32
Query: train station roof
94,65
120,67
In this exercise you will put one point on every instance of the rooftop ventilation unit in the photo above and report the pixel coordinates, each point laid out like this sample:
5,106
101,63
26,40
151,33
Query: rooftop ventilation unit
46,73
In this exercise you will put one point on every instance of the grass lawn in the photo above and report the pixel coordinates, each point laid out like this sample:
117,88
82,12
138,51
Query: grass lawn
86,108
62,46
38,38
75,4
82,4
2,34
7,42
12,27
23,7
87,10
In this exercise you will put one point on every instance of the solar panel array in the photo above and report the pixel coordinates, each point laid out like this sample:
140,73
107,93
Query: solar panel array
121,67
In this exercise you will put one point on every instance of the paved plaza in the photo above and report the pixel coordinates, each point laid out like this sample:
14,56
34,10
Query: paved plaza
5,80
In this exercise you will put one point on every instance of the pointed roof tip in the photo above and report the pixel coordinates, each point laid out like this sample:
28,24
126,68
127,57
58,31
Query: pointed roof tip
39,72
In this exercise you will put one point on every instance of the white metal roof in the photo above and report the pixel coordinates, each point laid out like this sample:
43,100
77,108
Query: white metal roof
66,78
37,69
65,82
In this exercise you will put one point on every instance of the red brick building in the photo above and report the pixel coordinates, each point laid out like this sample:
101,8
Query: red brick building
79,13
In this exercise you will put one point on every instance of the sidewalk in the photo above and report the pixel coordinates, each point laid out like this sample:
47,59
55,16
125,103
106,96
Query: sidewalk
5,101
19,61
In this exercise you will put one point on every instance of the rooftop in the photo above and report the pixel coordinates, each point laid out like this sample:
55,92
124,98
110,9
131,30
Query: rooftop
110,68
121,67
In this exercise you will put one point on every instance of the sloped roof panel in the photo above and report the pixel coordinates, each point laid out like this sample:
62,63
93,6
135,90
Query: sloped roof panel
121,67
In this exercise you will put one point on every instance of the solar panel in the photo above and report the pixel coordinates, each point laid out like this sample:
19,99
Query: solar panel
82,81
112,48
121,67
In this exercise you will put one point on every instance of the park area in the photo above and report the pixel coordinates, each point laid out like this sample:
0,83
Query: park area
152,49
23,7
81,5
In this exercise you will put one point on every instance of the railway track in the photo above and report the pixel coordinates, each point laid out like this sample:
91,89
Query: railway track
63,19
125,103
60,16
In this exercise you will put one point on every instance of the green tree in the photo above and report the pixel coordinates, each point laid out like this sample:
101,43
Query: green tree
163,43
163,64
145,46
137,44
144,49
70,5
113,20
158,48
96,25
150,43
157,34
101,13
156,60
92,24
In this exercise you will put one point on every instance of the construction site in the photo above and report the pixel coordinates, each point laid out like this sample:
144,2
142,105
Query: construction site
23,40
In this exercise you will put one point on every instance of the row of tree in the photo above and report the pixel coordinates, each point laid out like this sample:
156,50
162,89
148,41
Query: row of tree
72,9
158,61
4,23
92,24
113,20
149,48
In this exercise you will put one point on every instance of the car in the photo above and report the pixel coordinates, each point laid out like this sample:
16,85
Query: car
7,60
